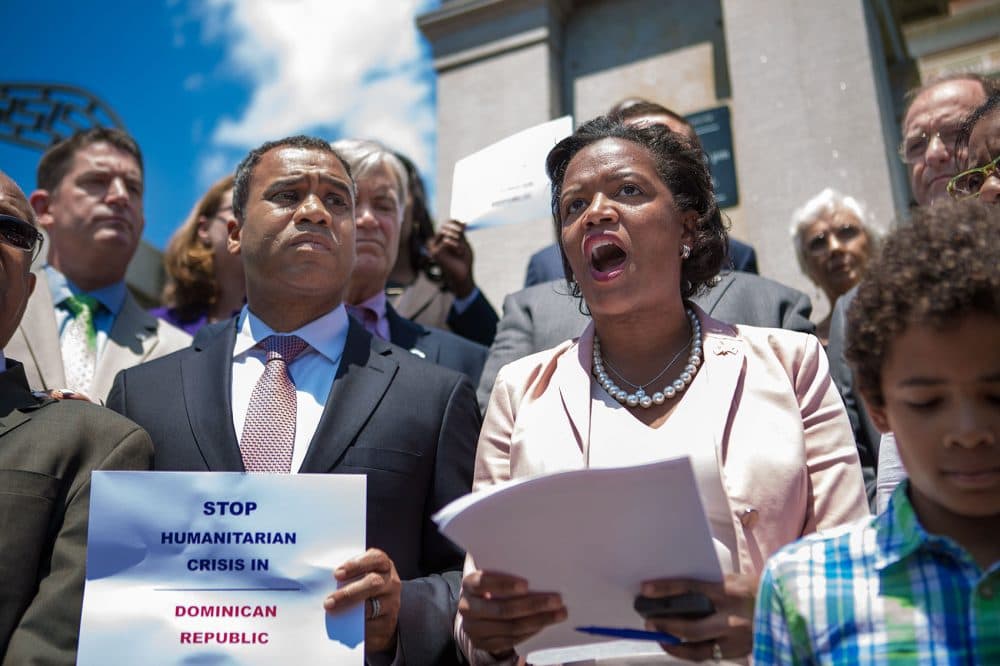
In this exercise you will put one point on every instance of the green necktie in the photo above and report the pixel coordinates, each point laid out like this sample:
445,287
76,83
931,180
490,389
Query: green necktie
84,308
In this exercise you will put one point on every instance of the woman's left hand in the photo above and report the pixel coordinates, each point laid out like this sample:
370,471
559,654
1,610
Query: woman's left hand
730,627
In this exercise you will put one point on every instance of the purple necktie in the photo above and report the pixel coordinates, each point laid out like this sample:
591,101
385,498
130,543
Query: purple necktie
269,430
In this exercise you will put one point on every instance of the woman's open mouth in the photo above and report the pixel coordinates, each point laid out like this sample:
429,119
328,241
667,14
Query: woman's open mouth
605,256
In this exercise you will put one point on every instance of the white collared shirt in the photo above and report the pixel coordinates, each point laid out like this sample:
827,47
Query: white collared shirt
312,371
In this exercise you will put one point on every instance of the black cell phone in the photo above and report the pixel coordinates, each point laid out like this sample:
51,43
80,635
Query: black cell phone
690,606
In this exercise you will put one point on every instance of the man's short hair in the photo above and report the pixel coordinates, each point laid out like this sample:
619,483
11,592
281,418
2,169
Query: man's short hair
244,172
988,84
636,107
56,161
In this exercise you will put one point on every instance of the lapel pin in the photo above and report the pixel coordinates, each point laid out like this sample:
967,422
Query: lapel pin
417,352
723,347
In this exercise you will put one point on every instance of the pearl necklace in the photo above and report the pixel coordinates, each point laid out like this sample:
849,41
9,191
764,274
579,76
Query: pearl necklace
640,398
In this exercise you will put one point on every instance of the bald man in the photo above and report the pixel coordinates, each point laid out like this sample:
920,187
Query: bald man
48,449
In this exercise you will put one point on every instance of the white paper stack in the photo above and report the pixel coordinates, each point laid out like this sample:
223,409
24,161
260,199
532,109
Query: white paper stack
592,535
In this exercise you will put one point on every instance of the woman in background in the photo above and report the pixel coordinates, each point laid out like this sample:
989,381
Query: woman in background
833,244
431,281
204,281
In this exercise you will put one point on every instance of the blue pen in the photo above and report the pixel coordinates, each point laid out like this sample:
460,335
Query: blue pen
632,634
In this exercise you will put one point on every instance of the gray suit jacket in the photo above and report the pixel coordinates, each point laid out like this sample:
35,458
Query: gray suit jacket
866,435
135,338
47,451
542,316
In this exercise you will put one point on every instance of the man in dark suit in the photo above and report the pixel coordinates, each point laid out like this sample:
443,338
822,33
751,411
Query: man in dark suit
542,316
381,180
48,449
347,402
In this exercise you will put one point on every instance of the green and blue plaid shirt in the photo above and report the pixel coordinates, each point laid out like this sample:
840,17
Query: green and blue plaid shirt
878,591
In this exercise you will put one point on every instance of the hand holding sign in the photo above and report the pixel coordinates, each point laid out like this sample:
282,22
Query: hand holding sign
373,577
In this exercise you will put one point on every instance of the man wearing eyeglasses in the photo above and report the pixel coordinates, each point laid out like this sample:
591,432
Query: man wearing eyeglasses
48,449
82,326
931,124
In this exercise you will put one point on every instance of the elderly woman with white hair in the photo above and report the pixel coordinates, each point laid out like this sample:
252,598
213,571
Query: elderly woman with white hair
833,243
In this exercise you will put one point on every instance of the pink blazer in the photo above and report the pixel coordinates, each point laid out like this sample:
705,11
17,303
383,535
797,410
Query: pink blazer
787,457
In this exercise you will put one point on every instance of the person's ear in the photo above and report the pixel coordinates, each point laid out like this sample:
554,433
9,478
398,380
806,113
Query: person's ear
31,284
235,230
876,410
41,201
689,221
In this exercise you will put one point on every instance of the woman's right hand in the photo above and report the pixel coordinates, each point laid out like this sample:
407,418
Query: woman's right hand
499,611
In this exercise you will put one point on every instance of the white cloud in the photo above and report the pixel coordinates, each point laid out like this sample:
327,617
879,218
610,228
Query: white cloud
336,68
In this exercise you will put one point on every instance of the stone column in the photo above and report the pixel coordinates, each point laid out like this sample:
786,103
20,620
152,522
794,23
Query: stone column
497,64
807,114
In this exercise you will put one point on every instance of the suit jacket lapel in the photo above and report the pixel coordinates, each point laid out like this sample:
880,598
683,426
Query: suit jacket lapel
407,334
723,368
572,376
132,339
43,341
206,380
708,300
365,372
403,332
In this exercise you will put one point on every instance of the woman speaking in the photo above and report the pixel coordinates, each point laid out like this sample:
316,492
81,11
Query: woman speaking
653,377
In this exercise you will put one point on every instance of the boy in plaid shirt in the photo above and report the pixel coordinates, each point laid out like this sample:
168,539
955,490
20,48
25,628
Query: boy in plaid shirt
919,583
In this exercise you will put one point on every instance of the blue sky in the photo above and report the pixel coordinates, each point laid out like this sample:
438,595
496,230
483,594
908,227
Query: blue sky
198,83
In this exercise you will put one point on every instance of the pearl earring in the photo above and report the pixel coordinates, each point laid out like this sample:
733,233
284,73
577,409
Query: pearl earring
685,251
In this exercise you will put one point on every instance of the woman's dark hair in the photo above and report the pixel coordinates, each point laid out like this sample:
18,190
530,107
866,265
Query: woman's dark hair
191,287
991,105
932,271
680,165
423,225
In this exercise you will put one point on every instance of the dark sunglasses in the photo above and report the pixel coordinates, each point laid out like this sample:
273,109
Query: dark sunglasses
20,234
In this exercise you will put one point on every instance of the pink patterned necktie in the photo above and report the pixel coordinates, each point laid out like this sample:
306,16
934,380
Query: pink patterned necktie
269,430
